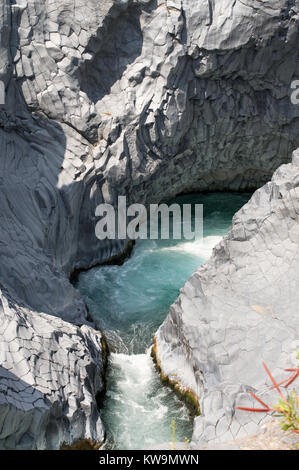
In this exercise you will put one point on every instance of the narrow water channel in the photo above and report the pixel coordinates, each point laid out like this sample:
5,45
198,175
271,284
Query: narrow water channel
130,302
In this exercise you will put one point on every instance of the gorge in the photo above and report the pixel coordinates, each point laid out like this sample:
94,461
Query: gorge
129,303
148,99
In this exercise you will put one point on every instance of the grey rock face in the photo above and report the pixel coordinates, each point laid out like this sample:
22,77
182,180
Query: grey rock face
143,98
146,99
237,311
50,374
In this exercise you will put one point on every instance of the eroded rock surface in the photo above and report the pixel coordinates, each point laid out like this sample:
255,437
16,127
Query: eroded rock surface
270,436
140,98
50,374
238,310
144,98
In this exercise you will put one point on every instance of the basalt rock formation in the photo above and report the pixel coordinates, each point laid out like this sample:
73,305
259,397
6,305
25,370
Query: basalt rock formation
50,374
237,311
139,98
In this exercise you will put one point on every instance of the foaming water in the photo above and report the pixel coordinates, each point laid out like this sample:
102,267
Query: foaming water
201,249
130,302
140,409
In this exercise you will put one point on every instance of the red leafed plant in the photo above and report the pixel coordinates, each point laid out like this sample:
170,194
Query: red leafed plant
287,408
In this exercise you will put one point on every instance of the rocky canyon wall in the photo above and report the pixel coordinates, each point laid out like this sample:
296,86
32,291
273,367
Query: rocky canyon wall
143,98
237,311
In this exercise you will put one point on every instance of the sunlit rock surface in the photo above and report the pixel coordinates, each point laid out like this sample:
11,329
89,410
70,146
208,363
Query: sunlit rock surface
238,311
141,98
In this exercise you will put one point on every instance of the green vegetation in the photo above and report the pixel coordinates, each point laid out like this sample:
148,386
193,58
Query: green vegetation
289,412
287,407
173,427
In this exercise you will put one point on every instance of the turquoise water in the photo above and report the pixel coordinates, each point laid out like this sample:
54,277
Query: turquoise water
130,302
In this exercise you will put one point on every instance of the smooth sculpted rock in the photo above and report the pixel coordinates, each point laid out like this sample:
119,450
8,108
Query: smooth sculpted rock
50,376
144,99
238,310
139,98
